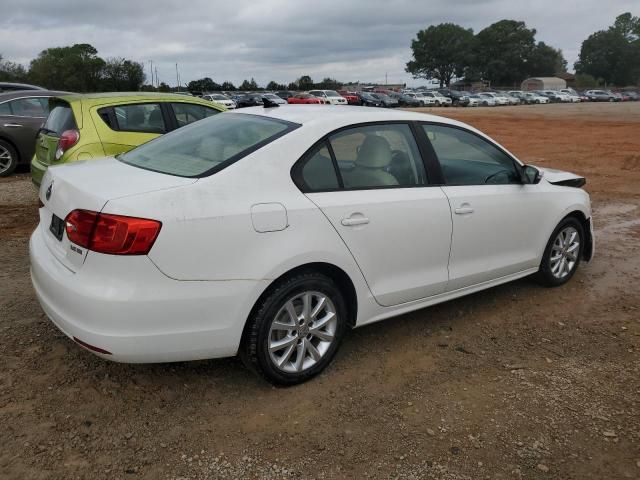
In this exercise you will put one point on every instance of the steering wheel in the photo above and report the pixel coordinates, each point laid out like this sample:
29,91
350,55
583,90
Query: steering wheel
493,175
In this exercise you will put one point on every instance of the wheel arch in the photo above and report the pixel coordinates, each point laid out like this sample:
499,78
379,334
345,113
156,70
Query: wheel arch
337,274
587,252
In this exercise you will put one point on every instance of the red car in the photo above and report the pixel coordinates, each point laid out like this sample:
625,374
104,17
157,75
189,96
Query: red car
304,99
352,97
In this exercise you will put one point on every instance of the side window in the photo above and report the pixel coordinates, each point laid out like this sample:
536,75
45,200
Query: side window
378,156
467,159
187,113
5,108
317,172
144,117
30,107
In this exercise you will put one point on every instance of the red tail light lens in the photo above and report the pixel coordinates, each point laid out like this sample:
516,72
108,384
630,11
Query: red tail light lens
112,234
67,140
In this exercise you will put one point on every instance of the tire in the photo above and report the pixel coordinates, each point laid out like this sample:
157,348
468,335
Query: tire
259,333
8,159
554,273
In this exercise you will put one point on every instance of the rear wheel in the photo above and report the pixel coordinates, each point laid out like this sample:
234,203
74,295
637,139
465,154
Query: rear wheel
8,159
563,253
296,330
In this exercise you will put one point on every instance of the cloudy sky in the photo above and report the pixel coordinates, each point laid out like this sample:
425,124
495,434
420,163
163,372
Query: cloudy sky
280,39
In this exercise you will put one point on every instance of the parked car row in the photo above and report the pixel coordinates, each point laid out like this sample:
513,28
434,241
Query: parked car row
45,127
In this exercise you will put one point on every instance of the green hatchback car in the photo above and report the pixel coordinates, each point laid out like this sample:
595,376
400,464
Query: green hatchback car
82,127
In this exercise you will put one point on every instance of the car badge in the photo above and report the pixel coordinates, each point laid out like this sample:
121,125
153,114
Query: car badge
48,194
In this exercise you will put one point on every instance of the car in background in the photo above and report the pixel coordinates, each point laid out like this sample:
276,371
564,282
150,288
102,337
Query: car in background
386,100
352,97
600,96
534,98
83,127
405,100
285,94
304,99
221,99
249,100
439,100
273,98
483,100
423,100
22,113
497,99
575,97
12,87
368,100
329,96
519,94
633,96
458,98
269,233
552,95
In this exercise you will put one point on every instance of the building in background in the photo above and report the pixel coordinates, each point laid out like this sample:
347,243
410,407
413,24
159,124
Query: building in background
543,83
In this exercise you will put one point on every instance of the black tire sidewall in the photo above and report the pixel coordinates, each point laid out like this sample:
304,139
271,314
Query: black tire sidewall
14,158
545,276
255,346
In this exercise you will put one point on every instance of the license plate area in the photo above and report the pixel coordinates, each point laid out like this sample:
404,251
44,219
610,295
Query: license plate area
57,227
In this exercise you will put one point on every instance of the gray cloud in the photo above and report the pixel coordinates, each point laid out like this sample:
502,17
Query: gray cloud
279,39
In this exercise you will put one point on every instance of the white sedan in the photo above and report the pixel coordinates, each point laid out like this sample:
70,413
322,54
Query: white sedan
221,99
271,231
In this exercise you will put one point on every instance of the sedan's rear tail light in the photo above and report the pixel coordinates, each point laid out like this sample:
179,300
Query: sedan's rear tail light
67,140
111,234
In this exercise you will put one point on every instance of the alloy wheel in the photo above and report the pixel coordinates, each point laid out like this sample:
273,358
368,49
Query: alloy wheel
564,252
302,331
5,159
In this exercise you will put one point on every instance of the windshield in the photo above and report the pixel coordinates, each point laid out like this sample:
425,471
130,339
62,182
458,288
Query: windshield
60,119
271,95
218,97
207,146
332,93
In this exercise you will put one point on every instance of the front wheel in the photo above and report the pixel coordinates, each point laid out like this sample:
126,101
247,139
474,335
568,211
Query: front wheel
296,330
562,254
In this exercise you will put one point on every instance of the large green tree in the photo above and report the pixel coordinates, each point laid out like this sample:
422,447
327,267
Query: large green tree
11,71
77,68
613,55
205,84
305,83
249,85
442,52
545,61
504,51
121,75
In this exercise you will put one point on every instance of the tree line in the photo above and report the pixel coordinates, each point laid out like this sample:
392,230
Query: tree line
506,52
305,82
77,68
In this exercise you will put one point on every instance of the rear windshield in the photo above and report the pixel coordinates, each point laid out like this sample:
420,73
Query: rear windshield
60,119
207,146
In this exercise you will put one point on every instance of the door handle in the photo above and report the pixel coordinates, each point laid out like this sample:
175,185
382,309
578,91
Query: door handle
12,125
352,221
464,209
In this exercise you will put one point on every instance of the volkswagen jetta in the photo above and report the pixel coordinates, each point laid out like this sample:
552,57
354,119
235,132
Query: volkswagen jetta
269,232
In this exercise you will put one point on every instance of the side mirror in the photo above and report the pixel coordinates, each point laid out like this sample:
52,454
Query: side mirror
531,175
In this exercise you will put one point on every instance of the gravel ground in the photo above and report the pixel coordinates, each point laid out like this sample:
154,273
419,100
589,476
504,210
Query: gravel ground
517,382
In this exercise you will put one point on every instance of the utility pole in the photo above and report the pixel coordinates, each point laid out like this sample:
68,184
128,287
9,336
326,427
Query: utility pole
386,80
157,82
177,78
151,70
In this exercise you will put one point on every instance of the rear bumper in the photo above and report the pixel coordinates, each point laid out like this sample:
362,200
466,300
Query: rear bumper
38,170
126,306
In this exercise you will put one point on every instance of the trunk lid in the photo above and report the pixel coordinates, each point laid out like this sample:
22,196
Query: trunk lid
61,118
89,185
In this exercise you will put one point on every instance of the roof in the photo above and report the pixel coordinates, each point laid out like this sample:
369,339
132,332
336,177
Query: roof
107,97
545,79
14,85
336,116
10,95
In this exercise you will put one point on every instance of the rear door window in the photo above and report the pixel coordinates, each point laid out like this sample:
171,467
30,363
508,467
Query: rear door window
187,113
142,117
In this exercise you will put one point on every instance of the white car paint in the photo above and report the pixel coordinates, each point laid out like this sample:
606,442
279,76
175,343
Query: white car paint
220,99
329,96
498,99
227,237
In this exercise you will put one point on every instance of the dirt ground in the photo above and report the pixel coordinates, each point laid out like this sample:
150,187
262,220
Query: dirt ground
517,382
